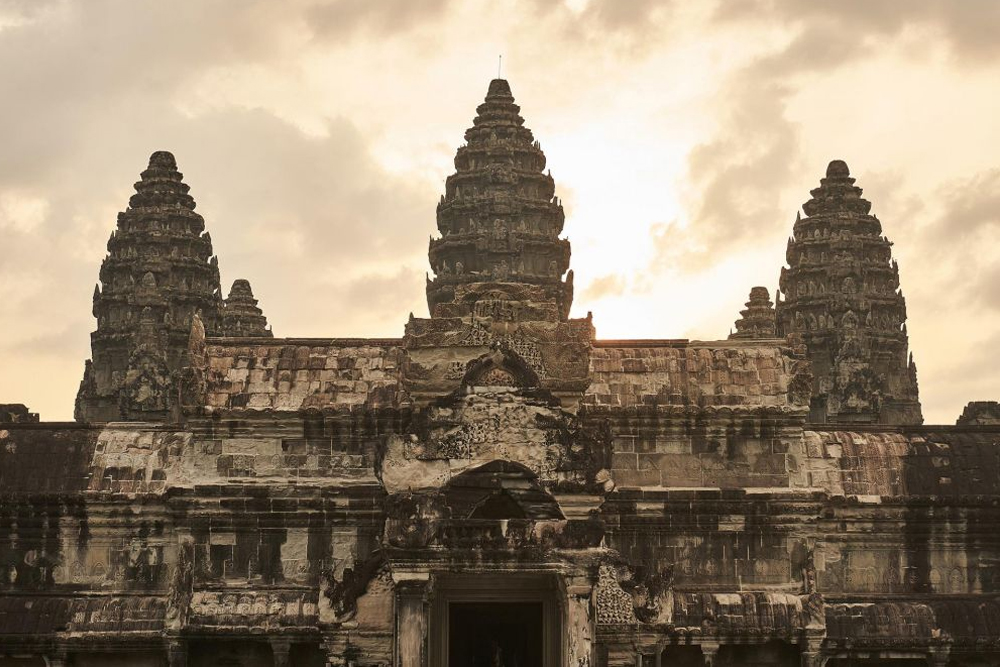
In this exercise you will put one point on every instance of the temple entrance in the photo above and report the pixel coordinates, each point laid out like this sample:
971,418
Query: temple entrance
490,620
505,634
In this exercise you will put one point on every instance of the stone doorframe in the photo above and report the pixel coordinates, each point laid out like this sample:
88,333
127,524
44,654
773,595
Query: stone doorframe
496,588
422,599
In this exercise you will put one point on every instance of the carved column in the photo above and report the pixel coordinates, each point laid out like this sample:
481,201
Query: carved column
411,623
280,649
177,653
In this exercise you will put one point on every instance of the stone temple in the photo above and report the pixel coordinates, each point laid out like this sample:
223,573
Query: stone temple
499,486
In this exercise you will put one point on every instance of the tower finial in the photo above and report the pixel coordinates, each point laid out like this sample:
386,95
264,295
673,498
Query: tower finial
499,66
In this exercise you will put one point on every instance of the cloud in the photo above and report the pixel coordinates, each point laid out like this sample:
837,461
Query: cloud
967,29
961,217
631,29
971,206
348,18
612,284
734,180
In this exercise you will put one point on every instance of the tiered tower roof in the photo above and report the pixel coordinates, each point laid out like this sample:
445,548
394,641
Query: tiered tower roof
159,258
241,316
757,320
841,292
499,219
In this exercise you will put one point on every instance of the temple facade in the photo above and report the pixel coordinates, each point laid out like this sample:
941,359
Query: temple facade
498,487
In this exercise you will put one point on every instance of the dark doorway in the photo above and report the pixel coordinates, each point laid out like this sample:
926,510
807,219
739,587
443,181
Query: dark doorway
495,634
682,656
229,653
877,662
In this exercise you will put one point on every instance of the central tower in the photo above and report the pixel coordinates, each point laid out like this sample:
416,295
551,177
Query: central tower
500,223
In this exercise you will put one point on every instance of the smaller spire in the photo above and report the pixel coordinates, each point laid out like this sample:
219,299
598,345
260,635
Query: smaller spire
757,319
240,314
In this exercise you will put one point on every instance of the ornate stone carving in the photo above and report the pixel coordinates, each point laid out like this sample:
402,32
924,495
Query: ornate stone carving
192,375
145,393
614,605
343,592
181,587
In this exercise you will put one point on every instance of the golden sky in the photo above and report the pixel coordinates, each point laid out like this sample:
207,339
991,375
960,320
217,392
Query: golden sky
683,136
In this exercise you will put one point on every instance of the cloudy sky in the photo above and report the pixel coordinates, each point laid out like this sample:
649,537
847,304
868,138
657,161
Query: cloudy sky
683,136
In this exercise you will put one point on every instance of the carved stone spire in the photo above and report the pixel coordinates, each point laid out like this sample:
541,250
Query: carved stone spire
757,319
499,302
159,271
241,316
840,290
500,222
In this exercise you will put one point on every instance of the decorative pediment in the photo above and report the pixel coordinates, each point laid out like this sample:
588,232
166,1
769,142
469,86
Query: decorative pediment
502,367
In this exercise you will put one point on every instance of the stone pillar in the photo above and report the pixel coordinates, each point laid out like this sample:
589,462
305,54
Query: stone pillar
939,657
709,651
813,659
411,623
811,655
280,649
579,622
56,660
177,653
648,659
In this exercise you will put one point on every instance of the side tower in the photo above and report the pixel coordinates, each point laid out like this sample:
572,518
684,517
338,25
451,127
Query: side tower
159,272
500,221
241,316
757,320
840,290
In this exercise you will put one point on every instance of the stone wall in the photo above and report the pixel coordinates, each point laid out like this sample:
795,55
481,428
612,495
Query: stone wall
288,375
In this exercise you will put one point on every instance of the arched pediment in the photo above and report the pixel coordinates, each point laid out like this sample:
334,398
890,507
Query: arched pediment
500,490
500,368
